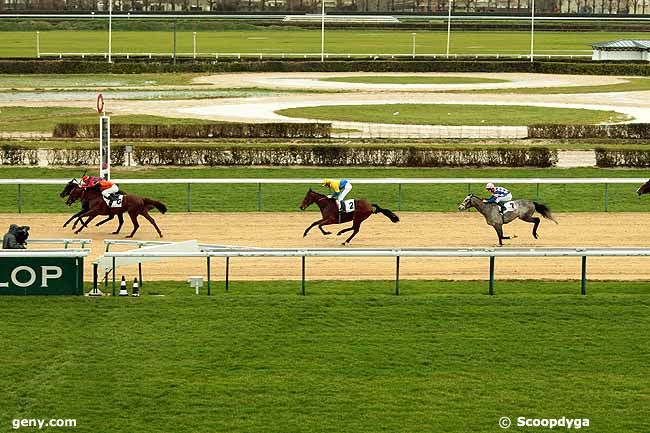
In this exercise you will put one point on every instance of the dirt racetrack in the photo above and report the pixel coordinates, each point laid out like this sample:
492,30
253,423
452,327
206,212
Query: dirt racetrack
417,229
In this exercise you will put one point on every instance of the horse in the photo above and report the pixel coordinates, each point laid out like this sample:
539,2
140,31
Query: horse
330,213
69,188
133,204
524,210
644,189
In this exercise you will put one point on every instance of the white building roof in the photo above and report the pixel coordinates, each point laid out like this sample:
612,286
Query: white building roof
623,45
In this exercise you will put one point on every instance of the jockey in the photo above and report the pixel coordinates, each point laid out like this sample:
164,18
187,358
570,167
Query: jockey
340,189
109,189
500,195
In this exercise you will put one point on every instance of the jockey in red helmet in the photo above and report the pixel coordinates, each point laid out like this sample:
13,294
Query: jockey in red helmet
108,189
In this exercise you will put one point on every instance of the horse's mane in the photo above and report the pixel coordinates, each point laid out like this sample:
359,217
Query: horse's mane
311,191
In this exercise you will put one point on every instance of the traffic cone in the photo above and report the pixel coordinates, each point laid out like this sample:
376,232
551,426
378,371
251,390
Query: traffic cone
123,291
136,288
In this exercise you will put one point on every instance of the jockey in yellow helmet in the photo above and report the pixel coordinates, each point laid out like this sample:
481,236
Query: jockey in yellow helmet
340,188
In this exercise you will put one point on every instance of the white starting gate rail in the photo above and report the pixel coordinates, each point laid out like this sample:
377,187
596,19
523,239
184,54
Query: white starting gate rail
303,253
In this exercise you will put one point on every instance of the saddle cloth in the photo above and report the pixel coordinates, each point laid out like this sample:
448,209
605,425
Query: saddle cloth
348,205
116,203
510,206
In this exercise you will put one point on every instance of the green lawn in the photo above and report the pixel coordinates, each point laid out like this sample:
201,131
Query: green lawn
412,79
630,85
349,357
53,81
281,197
278,41
43,119
455,114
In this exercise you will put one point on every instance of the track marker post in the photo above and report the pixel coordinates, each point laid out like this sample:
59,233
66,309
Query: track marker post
491,290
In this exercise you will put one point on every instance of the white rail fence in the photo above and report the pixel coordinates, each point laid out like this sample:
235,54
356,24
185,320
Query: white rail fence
398,253
398,182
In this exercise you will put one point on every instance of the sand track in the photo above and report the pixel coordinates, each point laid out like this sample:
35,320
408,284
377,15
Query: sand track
417,229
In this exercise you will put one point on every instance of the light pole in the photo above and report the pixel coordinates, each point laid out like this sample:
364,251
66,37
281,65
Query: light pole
322,32
194,38
38,45
110,30
448,26
413,34
532,29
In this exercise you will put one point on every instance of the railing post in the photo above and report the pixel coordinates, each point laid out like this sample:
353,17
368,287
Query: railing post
227,271
606,196
491,275
20,200
399,196
584,276
397,276
140,270
209,279
303,276
259,197
113,276
189,197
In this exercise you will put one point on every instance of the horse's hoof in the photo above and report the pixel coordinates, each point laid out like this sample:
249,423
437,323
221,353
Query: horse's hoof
115,233
327,233
129,237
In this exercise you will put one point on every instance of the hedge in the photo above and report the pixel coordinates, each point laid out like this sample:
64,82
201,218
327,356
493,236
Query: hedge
305,155
627,130
622,158
212,130
137,65
18,155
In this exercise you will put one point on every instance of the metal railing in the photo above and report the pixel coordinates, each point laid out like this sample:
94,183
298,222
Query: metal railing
399,182
65,242
397,253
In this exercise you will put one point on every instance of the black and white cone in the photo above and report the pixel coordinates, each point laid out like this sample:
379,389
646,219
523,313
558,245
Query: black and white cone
136,288
123,291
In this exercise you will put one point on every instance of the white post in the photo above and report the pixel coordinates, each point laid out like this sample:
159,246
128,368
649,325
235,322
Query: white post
194,37
38,45
110,30
532,29
413,44
322,32
448,26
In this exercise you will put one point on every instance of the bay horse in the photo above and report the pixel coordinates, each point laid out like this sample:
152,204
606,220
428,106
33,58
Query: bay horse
644,189
524,210
71,186
330,213
132,204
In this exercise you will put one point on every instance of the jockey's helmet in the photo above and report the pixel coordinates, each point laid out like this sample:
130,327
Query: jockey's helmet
85,179
489,186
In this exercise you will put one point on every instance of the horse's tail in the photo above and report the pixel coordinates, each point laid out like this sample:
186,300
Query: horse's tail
394,218
158,205
544,211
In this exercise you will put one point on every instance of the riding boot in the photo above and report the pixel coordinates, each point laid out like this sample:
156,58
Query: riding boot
502,208
341,211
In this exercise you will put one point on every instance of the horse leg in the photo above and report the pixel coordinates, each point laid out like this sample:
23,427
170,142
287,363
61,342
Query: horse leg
344,230
120,219
105,220
151,220
90,218
134,219
499,230
315,223
320,226
533,220
355,230
73,217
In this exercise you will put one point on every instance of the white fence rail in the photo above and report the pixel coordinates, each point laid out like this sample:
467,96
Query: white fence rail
397,253
399,182
65,242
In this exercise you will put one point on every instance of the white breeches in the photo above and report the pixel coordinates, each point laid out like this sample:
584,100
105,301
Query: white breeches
109,191
346,189
504,199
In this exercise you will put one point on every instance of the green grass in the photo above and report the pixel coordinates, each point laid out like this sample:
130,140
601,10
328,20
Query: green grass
413,79
43,119
53,81
349,357
278,41
454,114
630,85
280,197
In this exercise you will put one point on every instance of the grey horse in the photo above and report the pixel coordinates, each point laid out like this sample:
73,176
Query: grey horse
524,210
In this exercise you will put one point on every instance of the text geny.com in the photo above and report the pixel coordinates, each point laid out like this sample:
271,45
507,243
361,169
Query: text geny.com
40,423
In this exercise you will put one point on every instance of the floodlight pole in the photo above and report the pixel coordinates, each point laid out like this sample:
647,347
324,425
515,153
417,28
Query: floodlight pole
448,26
532,29
322,32
110,30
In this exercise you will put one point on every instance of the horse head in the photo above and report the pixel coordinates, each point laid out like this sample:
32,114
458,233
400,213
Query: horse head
74,195
69,187
310,198
467,203
644,189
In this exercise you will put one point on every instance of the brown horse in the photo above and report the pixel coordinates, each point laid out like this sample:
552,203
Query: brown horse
133,204
330,213
644,189
67,190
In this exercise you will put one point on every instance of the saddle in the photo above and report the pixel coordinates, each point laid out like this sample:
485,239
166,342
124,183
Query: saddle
114,200
348,206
